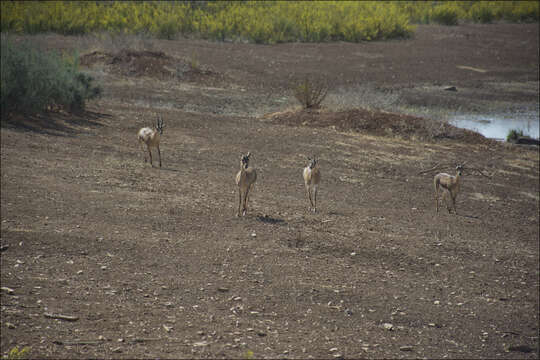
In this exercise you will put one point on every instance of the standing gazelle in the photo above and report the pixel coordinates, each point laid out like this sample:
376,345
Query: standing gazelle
150,137
245,179
450,184
312,177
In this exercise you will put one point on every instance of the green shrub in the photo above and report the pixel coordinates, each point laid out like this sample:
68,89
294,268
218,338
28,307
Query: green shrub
310,93
513,135
446,14
33,81
16,354
482,12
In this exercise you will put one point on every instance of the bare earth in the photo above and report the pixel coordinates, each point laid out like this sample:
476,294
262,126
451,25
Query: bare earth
152,263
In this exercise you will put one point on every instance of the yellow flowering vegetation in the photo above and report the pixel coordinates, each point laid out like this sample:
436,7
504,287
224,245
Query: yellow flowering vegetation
256,21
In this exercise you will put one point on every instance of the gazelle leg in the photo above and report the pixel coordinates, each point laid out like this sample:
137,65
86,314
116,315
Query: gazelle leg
143,150
150,152
159,153
315,198
246,199
239,200
310,194
446,201
454,204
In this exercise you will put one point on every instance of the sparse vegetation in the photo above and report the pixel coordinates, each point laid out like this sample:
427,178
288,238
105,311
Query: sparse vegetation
310,93
256,21
513,135
447,14
15,353
34,81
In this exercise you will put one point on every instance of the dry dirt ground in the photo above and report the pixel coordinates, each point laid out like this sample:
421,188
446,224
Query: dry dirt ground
149,262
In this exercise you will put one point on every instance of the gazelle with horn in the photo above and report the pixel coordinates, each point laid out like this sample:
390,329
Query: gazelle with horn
245,179
450,184
150,136
312,178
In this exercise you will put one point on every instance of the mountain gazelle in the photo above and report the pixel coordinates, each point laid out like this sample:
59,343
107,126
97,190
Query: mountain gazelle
245,179
450,185
150,137
312,178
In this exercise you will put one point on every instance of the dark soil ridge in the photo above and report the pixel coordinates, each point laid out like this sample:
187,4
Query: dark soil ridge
155,64
380,123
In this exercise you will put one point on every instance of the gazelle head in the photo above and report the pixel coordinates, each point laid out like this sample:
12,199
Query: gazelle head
244,160
159,125
312,162
459,169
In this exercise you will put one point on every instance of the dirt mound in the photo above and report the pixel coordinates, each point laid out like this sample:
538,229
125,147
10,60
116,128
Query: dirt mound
155,64
376,122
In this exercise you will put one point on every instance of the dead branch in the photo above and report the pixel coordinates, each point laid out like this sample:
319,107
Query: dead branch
436,167
61,317
479,171
78,342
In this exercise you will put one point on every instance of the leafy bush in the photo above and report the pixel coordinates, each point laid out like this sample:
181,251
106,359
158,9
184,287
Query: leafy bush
482,12
513,135
16,354
447,14
33,81
310,93
264,22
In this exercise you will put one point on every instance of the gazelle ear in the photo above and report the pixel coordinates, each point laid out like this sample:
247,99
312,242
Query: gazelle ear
248,154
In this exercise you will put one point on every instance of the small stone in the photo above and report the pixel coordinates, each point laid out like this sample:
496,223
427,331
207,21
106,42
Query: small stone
200,344
353,253
10,291
167,328
103,267
10,325
388,326
333,349
117,350
406,348
521,348
436,302
79,272
222,289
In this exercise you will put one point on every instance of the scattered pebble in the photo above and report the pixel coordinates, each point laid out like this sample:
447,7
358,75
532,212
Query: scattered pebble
406,348
521,348
200,343
10,291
